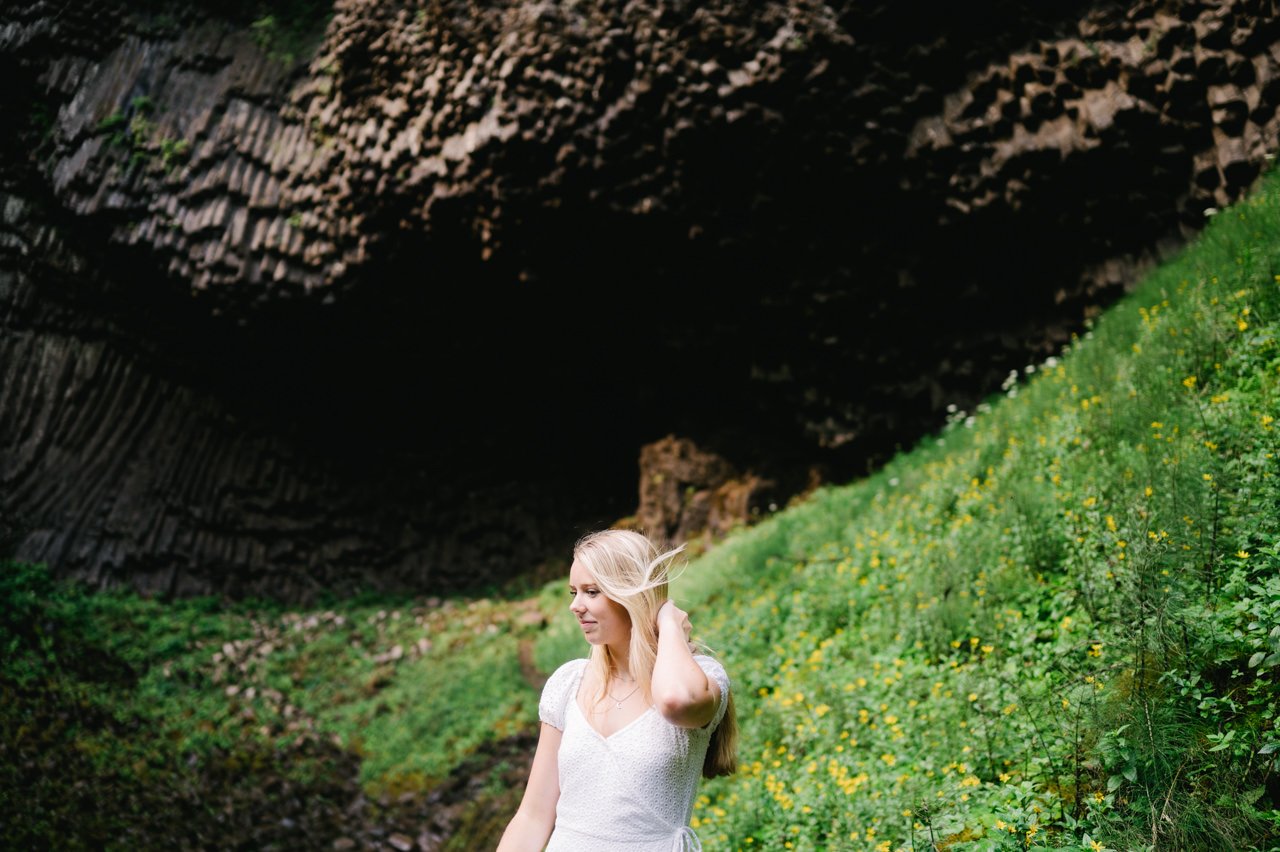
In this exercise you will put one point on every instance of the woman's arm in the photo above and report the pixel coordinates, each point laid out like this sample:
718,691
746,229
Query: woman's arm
685,696
531,827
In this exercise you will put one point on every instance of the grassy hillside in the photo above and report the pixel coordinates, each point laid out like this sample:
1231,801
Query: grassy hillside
1053,625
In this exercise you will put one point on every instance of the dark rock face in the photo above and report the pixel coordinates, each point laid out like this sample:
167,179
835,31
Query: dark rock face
404,311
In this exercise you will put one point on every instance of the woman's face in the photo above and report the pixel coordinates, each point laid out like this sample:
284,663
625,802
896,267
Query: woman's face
603,621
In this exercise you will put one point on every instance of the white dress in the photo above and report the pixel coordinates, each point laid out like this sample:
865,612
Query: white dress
633,790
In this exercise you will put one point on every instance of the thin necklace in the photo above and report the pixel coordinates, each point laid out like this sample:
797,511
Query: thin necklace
618,701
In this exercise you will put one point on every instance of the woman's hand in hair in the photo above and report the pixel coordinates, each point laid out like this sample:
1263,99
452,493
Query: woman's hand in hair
683,693
671,617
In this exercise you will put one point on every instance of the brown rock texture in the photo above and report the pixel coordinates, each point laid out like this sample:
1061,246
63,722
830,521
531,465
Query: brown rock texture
391,293
687,492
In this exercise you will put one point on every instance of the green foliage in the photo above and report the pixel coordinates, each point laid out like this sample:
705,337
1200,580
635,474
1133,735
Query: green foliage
172,152
433,716
111,736
136,132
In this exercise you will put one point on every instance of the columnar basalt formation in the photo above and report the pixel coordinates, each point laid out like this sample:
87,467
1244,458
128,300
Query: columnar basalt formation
395,295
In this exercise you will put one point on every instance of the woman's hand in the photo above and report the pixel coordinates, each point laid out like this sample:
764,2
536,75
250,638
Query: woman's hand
671,617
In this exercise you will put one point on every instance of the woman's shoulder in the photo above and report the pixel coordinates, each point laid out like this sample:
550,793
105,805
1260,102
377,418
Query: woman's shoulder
564,674
557,692
712,666
571,666
715,671
703,658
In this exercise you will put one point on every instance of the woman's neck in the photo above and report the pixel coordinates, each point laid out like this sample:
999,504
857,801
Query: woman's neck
621,666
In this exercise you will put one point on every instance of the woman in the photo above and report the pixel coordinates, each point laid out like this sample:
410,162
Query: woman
627,731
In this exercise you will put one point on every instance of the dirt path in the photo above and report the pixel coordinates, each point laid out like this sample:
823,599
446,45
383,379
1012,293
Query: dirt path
528,670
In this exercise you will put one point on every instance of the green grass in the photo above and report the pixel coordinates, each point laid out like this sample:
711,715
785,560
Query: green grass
1054,624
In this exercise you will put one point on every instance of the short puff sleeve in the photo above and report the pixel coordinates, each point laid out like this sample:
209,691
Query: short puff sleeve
715,671
558,692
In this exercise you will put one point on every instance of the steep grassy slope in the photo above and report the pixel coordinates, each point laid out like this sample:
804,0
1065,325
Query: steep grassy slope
1055,624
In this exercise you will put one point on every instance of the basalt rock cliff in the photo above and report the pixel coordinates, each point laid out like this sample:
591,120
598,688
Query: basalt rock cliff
298,298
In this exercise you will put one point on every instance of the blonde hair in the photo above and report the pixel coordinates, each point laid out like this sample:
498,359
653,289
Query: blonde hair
634,572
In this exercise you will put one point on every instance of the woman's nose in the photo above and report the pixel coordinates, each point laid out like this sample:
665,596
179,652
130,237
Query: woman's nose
575,605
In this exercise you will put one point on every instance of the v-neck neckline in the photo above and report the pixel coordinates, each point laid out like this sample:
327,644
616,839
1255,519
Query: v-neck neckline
607,737
586,721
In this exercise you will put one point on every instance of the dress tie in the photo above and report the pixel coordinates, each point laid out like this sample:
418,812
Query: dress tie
686,840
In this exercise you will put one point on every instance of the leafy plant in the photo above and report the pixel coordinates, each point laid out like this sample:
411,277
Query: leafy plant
136,132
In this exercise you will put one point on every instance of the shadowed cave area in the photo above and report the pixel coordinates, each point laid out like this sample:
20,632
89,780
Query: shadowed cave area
372,329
